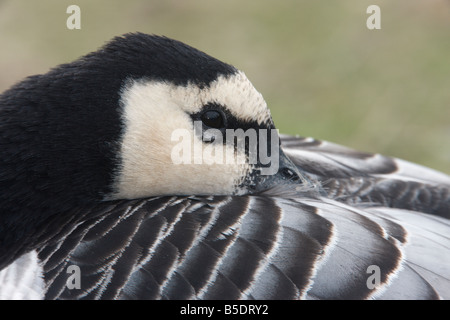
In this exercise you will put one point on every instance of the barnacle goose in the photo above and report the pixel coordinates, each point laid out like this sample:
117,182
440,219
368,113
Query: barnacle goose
87,180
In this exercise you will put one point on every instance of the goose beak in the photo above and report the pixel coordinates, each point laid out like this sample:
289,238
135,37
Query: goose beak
287,174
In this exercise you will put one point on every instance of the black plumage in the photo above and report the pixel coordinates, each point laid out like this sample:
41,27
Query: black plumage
60,132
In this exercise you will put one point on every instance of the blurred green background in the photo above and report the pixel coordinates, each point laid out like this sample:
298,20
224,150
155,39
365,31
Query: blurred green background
322,72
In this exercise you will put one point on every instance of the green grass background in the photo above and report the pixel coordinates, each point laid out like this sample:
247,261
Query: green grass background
322,72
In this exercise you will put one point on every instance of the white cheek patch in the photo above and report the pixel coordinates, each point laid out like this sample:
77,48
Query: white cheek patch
235,92
153,111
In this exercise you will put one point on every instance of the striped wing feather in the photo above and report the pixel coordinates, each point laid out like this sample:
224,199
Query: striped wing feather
376,211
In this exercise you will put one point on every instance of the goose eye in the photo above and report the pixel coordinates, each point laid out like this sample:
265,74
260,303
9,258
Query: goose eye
213,119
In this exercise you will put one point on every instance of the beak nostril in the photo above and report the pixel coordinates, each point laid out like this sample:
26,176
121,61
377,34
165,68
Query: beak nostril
289,174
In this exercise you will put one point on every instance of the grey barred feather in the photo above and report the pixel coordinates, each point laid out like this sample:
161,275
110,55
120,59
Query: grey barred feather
300,244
